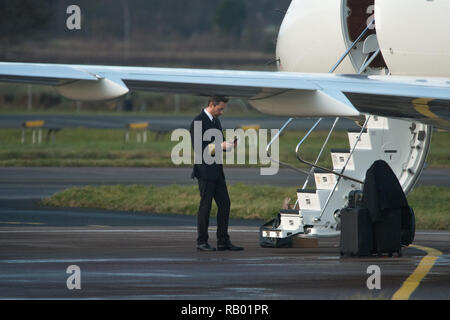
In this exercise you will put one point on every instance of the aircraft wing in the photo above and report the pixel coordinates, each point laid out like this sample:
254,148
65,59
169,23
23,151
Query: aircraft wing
278,93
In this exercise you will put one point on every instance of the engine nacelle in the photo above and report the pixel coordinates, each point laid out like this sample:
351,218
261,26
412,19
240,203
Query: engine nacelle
96,90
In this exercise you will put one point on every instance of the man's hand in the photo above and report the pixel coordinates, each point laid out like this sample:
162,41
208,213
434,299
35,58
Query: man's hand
228,145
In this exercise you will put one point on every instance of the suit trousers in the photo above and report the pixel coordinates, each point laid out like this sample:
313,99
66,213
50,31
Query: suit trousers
218,191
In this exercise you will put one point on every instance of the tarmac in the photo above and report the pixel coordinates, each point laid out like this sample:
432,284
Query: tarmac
152,256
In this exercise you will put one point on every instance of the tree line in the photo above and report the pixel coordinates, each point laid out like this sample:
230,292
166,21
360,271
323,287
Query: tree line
250,20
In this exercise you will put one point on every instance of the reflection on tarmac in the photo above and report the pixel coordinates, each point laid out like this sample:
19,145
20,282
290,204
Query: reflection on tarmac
125,255
162,263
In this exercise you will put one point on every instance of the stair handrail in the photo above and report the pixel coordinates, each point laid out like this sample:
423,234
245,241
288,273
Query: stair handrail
316,166
352,46
369,61
313,166
321,152
288,122
358,139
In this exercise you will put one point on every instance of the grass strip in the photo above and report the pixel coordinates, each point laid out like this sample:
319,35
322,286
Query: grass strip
431,204
97,147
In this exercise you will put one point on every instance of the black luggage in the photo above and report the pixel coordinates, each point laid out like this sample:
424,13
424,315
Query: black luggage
355,199
393,220
382,191
387,233
356,232
408,226
266,242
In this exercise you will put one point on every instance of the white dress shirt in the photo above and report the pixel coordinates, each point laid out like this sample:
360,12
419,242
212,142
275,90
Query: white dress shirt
208,114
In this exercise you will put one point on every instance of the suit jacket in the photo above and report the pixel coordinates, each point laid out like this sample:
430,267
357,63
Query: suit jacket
206,171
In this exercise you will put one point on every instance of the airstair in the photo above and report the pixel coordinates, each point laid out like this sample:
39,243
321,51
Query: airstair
402,144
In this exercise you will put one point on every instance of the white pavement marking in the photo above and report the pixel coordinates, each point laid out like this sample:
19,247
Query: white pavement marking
120,231
134,260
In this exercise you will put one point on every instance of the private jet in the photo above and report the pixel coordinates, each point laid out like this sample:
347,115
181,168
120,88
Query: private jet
383,63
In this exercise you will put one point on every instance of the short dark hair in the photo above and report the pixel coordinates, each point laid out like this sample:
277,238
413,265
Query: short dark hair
215,100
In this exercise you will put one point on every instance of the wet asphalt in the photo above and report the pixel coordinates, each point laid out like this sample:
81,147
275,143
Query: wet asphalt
133,255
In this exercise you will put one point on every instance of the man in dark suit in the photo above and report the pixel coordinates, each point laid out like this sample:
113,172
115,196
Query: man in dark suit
211,179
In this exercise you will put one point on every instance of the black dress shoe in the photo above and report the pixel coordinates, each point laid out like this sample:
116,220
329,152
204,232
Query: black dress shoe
229,246
205,247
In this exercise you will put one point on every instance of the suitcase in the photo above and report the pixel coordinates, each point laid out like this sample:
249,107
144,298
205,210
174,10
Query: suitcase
265,242
408,226
355,199
356,232
388,233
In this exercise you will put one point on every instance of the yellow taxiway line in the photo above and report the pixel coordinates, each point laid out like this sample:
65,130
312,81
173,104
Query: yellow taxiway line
413,281
23,223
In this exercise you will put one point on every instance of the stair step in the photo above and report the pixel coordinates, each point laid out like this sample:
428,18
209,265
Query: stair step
309,216
356,131
364,140
291,222
288,211
306,190
324,180
376,122
318,170
339,158
312,199
340,150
